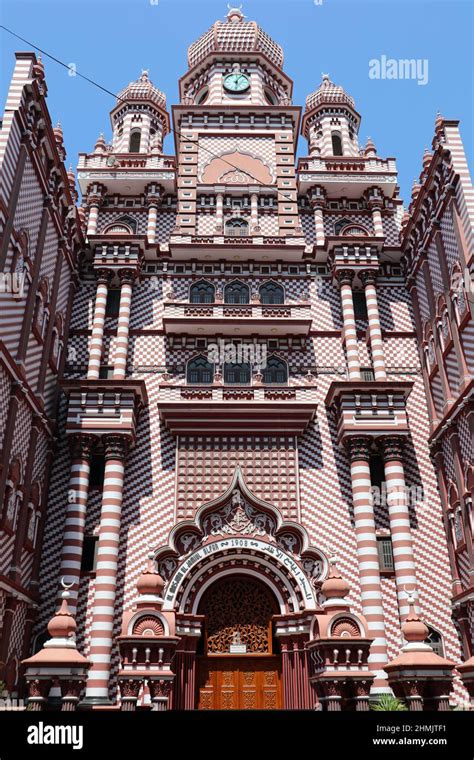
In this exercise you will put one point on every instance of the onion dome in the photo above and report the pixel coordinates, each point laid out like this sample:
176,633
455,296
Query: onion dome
334,587
38,69
141,90
58,133
100,146
413,628
235,36
62,625
370,149
328,92
150,581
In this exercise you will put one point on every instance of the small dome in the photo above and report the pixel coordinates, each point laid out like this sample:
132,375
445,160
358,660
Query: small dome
62,624
235,36
58,133
142,89
328,92
335,587
150,581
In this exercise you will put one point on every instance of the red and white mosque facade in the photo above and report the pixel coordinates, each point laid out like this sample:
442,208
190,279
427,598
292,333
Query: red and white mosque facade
237,415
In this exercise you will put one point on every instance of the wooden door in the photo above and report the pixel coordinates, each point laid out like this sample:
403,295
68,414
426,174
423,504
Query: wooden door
239,683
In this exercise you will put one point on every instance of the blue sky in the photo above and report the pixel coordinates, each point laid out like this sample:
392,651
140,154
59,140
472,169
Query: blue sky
112,40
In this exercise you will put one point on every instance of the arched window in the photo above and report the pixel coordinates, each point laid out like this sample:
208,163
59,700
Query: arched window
236,227
271,292
202,96
435,640
12,495
135,139
276,371
336,143
202,292
270,97
236,292
200,371
237,374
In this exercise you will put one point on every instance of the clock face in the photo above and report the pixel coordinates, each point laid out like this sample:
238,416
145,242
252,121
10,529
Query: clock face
236,82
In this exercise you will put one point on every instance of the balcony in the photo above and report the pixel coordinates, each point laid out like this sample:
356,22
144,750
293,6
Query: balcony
369,407
126,173
236,320
97,407
348,176
231,409
291,247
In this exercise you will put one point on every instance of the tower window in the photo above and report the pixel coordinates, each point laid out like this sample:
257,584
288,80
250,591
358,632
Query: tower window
236,292
236,228
202,96
435,640
202,292
385,550
135,139
200,371
270,97
237,374
336,143
271,292
276,371
360,305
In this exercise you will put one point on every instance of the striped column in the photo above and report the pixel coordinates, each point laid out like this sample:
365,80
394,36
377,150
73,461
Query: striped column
219,212
97,689
377,221
399,516
94,201
368,559
319,224
153,199
345,277
369,278
254,213
96,344
127,277
76,507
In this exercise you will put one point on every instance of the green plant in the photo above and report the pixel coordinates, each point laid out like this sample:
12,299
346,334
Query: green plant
388,703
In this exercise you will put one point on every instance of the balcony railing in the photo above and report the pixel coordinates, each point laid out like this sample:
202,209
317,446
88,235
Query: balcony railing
237,319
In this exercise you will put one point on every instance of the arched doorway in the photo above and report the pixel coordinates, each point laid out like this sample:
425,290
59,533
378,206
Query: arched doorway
240,666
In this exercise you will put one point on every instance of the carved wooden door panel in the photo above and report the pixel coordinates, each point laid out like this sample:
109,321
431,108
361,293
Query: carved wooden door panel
239,683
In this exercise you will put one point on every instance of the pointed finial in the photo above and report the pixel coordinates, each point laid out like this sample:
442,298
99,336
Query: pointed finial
144,76
235,14
325,79
370,149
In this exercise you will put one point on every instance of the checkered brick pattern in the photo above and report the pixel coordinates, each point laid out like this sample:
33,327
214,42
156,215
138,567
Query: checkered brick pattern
268,465
395,308
325,305
390,229
309,230
108,217
422,296
206,224
29,207
258,147
465,440
26,563
5,385
449,240
401,352
83,305
165,223
467,337
3,599
438,397
15,644
268,224
453,371
435,270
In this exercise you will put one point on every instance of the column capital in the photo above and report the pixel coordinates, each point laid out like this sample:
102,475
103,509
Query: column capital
358,447
392,447
116,446
81,445
344,276
127,276
368,276
104,276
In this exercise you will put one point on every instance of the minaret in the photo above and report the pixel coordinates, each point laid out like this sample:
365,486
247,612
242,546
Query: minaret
331,123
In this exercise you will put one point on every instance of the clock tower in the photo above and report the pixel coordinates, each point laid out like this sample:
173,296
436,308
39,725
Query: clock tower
236,132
